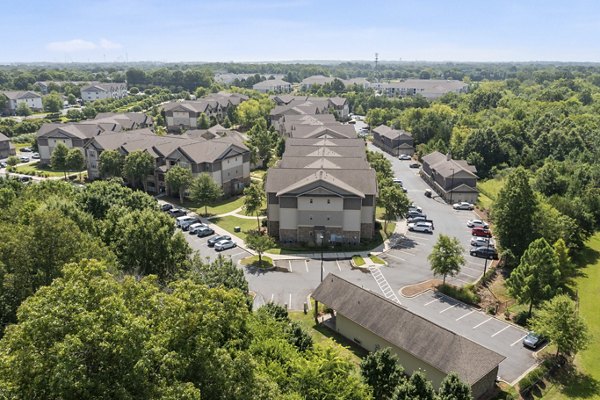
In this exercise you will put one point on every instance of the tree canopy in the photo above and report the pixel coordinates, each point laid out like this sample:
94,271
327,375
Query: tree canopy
446,257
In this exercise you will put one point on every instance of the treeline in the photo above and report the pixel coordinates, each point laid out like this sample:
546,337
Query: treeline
102,298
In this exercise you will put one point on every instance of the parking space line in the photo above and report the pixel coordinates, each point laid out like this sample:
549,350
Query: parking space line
469,275
460,280
406,252
290,264
393,256
306,265
473,269
467,314
238,254
272,297
290,303
432,301
501,330
338,265
519,340
447,308
417,238
481,323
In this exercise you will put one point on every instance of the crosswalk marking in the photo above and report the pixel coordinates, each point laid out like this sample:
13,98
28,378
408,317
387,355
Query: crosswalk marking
383,284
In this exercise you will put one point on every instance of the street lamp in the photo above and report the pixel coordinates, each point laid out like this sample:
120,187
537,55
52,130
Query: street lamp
321,238
451,185
486,258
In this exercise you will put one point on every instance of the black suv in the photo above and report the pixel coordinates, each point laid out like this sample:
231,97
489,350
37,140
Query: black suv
485,252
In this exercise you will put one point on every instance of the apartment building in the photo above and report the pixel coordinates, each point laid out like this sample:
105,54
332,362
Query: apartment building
453,180
393,141
97,91
33,100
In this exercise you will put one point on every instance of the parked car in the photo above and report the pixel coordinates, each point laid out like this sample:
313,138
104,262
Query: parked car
25,150
421,226
176,212
212,241
183,219
24,159
185,225
463,205
404,157
205,231
484,252
482,232
415,213
166,207
193,228
414,207
224,245
36,156
397,181
478,241
3,164
415,165
477,223
428,193
416,218
25,179
533,340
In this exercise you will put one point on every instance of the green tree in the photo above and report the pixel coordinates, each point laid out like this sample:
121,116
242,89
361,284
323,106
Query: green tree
254,197
137,166
221,272
111,164
262,142
134,90
75,160
381,165
452,388
89,112
23,110
394,202
203,122
382,372
12,161
259,243
558,319
537,277
446,257
204,190
58,159
565,264
514,213
53,102
417,387
179,180
145,243
99,197
71,99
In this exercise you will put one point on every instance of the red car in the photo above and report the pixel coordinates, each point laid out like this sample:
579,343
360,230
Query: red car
483,232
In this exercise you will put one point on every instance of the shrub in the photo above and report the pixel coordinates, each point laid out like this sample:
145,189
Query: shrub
532,378
377,260
465,294
521,318
358,261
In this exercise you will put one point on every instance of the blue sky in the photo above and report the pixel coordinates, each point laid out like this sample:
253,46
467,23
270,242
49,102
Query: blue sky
268,30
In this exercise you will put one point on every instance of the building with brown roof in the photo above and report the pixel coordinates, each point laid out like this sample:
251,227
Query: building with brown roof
273,85
428,88
393,141
33,100
225,158
322,191
101,90
374,322
453,180
6,147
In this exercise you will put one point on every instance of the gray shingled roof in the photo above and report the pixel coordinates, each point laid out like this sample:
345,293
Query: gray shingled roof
361,181
270,83
15,95
392,134
440,163
444,350
334,130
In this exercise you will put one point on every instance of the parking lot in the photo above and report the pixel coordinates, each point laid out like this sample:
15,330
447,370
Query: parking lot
493,333
201,245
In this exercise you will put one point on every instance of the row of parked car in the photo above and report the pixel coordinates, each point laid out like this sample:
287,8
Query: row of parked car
193,226
418,221
482,243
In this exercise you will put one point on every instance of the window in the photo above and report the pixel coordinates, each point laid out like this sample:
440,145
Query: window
328,201
310,218
327,218
311,201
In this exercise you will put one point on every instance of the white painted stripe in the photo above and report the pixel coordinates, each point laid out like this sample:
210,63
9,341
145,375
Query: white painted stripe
446,309
519,340
290,303
338,265
417,238
238,254
406,252
432,301
469,275
501,330
290,264
398,258
272,297
467,314
460,280
478,325
306,265
470,268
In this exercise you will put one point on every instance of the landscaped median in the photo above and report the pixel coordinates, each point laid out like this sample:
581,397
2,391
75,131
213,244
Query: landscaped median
35,169
252,261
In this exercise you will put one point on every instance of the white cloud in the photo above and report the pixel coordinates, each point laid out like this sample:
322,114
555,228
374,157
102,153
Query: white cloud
77,45
71,46
107,44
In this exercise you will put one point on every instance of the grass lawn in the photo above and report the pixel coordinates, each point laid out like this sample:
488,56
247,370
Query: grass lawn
218,207
377,260
358,261
323,336
488,191
267,262
258,174
37,169
586,382
229,222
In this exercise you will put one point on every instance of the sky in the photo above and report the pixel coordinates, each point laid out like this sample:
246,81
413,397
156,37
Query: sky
284,30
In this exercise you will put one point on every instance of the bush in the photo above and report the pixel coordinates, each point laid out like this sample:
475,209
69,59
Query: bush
358,261
465,294
532,378
521,318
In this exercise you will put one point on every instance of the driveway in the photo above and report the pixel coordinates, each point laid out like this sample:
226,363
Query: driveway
493,333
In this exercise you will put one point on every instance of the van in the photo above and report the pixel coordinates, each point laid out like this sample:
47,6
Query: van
183,219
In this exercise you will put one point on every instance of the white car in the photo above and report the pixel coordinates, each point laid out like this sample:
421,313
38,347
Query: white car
478,241
463,205
404,157
421,226
477,223
415,208
224,245
193,228
24,159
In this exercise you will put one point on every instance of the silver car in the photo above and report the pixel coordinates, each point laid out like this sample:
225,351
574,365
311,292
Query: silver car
224,245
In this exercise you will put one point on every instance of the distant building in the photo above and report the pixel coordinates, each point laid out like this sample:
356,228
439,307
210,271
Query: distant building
320,80
428,88
453,180
322,191
374,322
306,105
393,141
33,100
6,147
273,85
98,91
